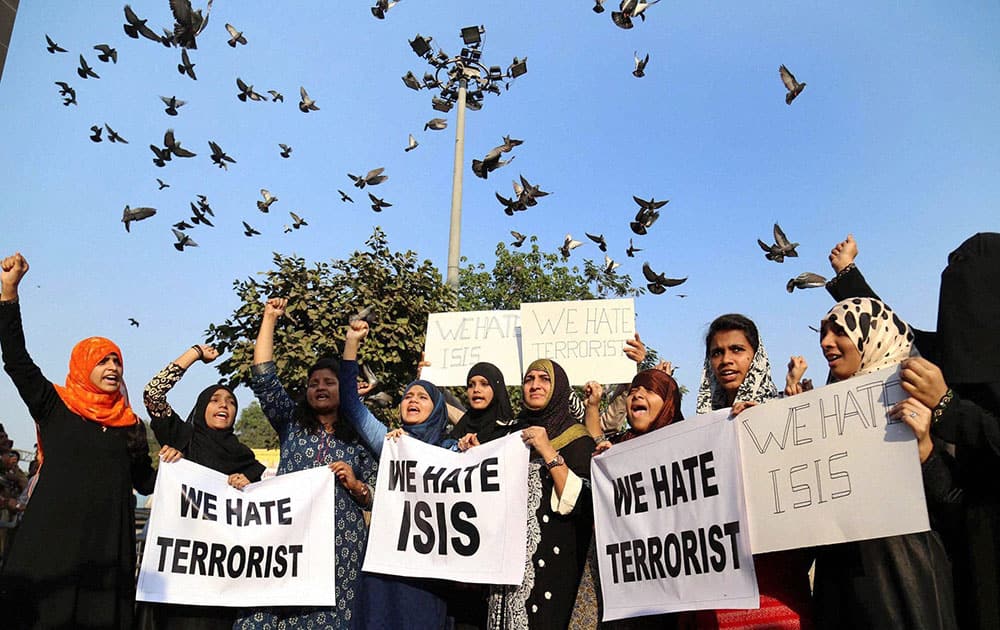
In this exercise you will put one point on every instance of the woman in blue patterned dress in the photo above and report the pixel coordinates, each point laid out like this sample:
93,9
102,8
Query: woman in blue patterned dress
311,435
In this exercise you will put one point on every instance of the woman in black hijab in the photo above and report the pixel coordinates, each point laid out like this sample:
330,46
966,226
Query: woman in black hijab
206,438
490,415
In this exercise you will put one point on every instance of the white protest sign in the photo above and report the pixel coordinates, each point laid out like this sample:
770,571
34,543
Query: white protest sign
270,544
457,341
448,515
585,337
828,466
671,524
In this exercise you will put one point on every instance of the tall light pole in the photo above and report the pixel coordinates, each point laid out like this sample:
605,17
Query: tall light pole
465,82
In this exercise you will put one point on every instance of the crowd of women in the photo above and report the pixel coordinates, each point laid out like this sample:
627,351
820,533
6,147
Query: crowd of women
73,564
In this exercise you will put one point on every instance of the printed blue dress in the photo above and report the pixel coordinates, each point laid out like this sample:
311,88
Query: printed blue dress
301,450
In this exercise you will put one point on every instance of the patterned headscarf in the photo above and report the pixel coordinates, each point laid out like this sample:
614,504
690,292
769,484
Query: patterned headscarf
497,419
882,338
757,386
431,430
83,398
555,416
666,388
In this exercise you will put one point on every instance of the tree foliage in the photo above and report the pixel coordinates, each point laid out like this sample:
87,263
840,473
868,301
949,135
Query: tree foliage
399,288
535,276
253,428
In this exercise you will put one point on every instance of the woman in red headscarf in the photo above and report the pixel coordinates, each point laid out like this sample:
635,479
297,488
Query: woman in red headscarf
73,563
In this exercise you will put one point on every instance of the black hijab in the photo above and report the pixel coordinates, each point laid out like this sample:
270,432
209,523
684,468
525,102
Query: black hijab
555,415
497,420
968,325
218,449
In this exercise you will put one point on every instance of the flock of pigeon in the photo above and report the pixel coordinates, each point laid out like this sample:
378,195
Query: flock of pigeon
189,24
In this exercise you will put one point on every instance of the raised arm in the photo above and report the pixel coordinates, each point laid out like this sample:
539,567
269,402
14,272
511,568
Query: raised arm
364,422
36,391
263,348
166,424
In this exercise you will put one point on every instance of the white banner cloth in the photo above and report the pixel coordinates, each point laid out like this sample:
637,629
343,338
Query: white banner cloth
828,466
270,544
671,524
448,515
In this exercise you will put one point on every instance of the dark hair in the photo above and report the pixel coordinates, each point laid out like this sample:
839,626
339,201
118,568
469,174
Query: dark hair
732,321
306,417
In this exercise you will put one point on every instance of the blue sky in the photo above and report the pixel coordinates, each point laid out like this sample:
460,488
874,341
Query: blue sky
895,139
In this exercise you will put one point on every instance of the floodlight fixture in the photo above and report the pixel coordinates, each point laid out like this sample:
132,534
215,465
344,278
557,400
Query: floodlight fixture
495,73
472,35
441,104
410,80
518,67
421,45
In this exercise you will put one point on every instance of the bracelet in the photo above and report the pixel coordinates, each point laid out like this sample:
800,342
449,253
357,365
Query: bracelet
939,408
201,354
556,461
363,496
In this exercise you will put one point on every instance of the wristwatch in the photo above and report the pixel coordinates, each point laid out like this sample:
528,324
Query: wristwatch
556,461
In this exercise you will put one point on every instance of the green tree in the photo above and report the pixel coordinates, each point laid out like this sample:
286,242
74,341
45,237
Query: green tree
535,276
400,290
253,428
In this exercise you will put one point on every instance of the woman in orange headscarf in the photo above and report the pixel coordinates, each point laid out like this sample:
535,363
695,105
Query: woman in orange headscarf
73,563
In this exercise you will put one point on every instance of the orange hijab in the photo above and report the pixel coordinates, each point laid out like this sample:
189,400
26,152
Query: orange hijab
83,398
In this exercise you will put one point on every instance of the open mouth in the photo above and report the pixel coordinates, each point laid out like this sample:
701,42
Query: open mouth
832,358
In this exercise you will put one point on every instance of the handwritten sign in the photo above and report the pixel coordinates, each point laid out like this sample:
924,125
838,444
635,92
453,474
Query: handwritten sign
829,466
457,341
585,337
671,524
270,544
448,515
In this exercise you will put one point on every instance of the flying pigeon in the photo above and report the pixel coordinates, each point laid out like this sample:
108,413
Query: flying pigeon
411,143
172,103
598,6
86,71
162,184
185,66
96,136
781,247
794,87
306,105
276,96
647,215
344,197
286,151
632,249
107,53
133,322
265,205
183,225
188,24
568,245
235,36
52,46
174,147
518,238
378,204
298,221
136,214
657,282
198,216
246,92
806,280
640,66
183,240
629,9
437,124
113,135
510,206
610,265
373,177
381,8
134,27
219,157
599,239
249,231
